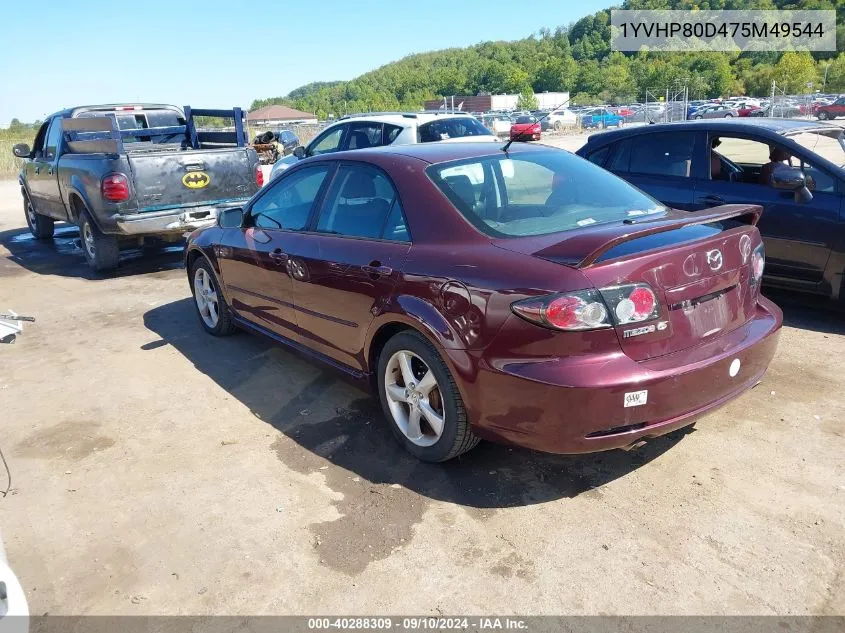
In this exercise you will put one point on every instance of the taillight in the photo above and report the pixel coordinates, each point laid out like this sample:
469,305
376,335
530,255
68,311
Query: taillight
115,187
758,264
591,309
259,176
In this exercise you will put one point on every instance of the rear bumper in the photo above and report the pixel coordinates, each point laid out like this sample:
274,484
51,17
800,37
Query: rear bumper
181,220
576,405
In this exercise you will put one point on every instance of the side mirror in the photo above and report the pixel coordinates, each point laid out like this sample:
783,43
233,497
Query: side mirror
299,151
788,178
231,218
22,150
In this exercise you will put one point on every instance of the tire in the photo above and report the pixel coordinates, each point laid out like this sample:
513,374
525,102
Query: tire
697,117
822,116
557,126
101,251
39,225
222,325
729,116
456,436
619,123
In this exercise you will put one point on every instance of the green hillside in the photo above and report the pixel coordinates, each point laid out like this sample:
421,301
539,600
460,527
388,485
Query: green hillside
577,58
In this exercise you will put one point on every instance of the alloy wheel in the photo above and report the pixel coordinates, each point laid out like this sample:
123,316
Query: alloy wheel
31,217
88,240
414,398
206,298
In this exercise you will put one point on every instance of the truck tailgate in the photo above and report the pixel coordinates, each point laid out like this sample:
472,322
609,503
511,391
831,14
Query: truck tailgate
181,179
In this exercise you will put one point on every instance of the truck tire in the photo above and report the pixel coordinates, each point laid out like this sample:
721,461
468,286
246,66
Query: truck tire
39,225
101,250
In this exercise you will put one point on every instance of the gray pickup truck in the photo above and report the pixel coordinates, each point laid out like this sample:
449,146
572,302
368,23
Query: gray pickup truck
126,172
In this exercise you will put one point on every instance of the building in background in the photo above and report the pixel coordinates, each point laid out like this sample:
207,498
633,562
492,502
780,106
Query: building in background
277,116
485,103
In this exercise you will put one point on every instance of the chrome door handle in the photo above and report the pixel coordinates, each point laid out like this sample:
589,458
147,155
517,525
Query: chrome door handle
383,271
278,256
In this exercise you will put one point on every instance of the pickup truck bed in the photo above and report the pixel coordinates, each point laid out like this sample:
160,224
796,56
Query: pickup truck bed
133,171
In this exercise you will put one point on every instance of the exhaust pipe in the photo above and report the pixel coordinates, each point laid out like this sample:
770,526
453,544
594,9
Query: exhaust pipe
634,445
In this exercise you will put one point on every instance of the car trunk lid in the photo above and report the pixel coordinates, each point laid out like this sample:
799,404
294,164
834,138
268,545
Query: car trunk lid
698,265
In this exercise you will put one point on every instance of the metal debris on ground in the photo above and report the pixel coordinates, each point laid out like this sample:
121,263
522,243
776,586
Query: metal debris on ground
11,325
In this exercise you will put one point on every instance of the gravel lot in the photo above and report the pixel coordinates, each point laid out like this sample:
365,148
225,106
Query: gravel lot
158,471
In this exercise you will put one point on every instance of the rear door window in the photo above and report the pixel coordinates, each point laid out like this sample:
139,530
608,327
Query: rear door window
444,129
359,203
663,154
363,135
390,133
599,156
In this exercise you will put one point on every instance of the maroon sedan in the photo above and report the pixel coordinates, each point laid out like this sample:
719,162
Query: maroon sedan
526,296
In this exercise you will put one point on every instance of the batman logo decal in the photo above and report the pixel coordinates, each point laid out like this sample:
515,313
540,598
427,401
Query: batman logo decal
196,179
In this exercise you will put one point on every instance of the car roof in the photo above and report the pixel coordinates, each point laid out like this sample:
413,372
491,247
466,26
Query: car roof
770,126
439,152
403,119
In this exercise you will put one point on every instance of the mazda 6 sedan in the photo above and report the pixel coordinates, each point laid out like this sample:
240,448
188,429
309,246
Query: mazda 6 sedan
520,294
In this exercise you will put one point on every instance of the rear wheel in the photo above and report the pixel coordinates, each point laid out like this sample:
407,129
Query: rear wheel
39,225
421,401
728,115
101,251
558,125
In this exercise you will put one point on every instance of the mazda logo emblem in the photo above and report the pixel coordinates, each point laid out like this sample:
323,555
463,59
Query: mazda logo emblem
714,259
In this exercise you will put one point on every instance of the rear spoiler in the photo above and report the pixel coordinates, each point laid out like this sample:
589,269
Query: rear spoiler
602,239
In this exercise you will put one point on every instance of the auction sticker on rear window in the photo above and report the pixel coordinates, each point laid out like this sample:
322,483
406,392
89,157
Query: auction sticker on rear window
636,398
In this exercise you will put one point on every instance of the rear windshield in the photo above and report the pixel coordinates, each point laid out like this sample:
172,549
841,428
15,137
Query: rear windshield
142,120
444,129
538,193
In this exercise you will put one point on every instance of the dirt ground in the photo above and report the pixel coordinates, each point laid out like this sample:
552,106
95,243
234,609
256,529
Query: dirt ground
156,470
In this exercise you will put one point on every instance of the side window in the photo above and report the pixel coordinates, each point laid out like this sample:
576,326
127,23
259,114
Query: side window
664,154
358,204
288,204
328,142
390,133
396,227
599,156
621,159
38,143
817,179
362,135
54,139
748,155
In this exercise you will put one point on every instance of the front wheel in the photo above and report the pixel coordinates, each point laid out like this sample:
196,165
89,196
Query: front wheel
101,251
421,401
729,115
822,116
212,309
697,117
39,225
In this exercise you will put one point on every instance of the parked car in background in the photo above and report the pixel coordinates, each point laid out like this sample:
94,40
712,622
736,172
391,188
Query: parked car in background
473,281
288,140
526,128
790,167
831,111
748,109
389,128
601,118
717,111
499,124
131,171
562,118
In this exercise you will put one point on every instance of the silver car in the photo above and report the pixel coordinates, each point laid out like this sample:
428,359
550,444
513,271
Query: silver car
714,112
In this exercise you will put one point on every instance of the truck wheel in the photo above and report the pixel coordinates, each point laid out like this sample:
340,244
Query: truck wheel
39,225
100,250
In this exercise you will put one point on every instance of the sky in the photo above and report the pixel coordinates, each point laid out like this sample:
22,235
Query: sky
219,54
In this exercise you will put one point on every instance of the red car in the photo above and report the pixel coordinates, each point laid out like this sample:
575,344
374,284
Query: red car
830,111
526,128
524,296
750,110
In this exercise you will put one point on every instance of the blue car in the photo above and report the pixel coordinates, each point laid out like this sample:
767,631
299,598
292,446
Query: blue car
789,167
601,118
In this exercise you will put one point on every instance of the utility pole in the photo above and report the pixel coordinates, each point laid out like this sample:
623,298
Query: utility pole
772,106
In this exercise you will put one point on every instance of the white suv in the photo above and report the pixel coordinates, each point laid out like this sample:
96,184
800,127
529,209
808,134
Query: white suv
388,128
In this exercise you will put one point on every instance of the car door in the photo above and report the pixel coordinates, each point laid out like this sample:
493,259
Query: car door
798,236
349,265
661,164
42,176
255,264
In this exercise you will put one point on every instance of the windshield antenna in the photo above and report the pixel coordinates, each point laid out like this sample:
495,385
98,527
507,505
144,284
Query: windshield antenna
557,107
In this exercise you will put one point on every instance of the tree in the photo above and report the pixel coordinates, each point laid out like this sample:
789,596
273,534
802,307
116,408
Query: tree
526,100
794,71
835,74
